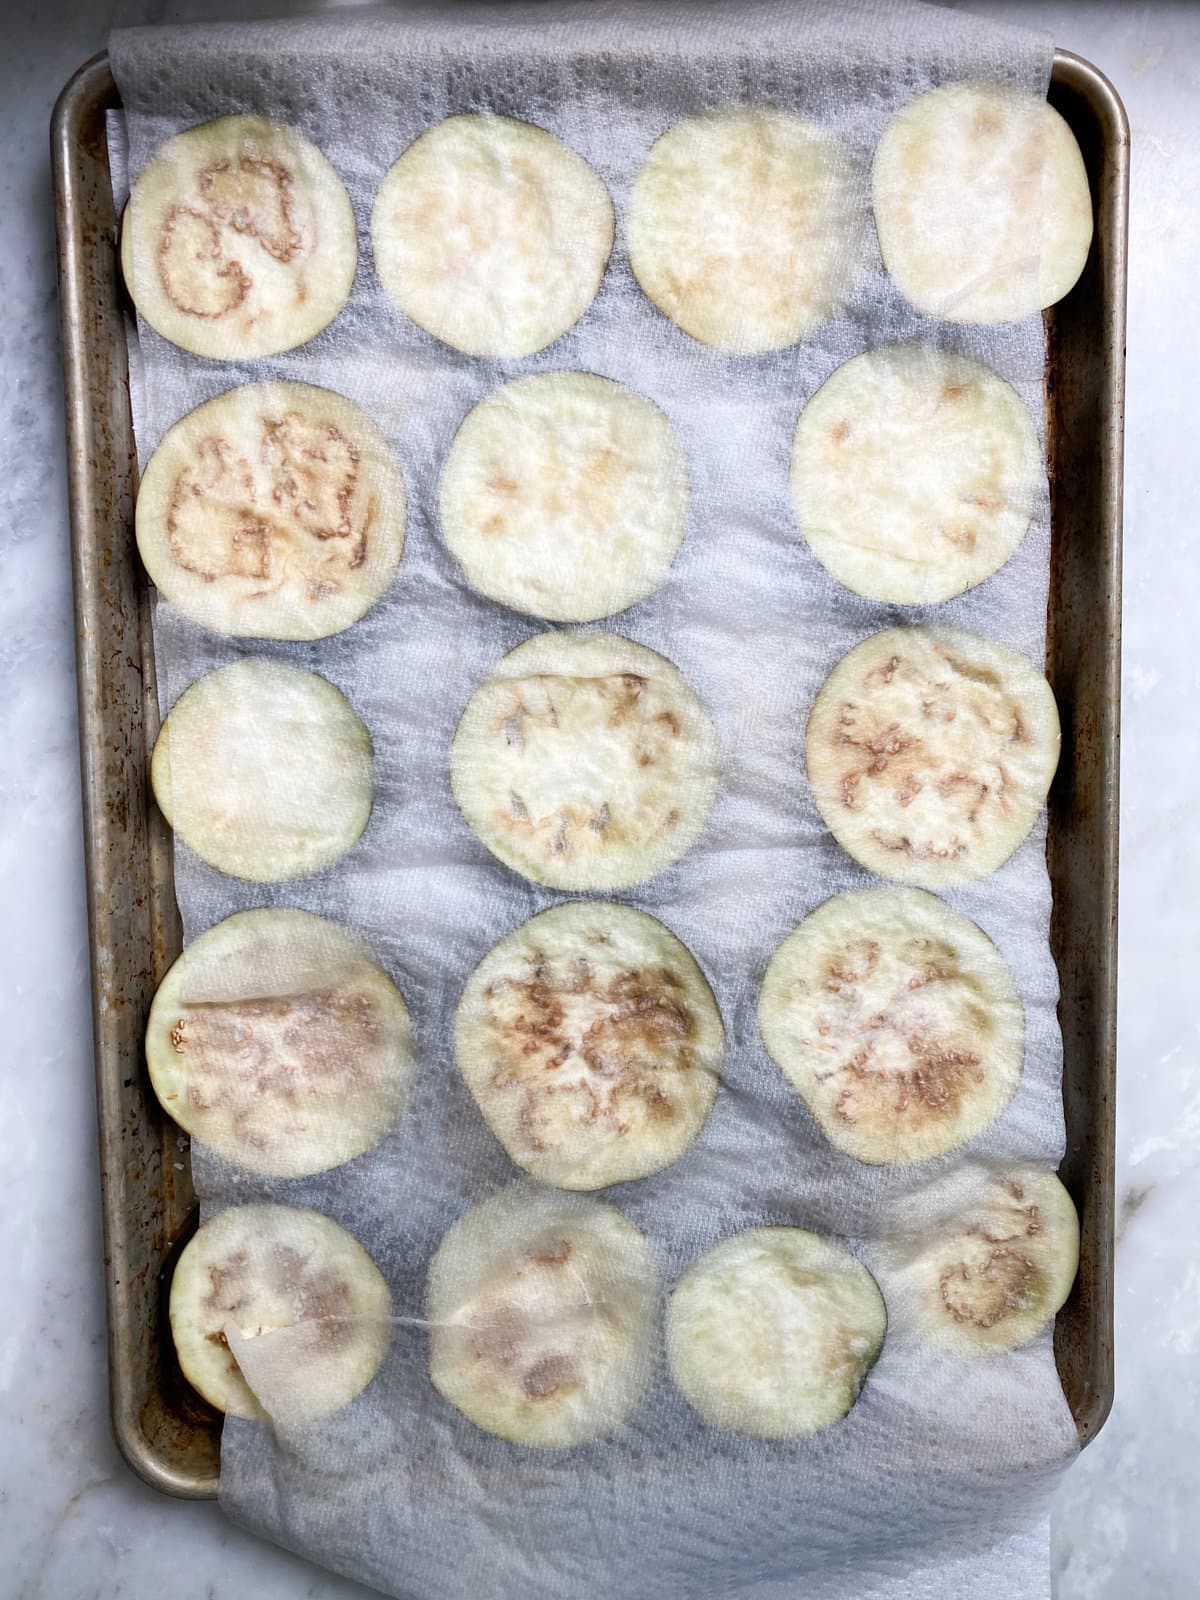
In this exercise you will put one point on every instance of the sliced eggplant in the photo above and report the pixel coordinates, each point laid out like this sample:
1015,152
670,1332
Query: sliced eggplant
747,228
930,751
585,761
773,1331
592,1044
914,474
982,204
492,235
239,240
987,1264
897,1021
565,495
259,1278
264,770
279,1042
541,1309
274,510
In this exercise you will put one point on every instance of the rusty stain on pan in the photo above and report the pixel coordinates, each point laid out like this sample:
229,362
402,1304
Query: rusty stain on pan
169,1436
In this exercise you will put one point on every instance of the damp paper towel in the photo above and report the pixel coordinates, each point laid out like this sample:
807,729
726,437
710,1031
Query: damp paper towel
936,1482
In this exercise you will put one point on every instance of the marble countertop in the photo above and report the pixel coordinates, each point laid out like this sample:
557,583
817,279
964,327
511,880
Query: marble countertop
74,1523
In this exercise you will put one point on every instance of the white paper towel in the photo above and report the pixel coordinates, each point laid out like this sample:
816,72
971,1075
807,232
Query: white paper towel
936,1482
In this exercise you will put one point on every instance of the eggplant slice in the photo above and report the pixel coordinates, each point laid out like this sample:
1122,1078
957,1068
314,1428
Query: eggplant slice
293,1295
897,1022
592,1044
987,1264
915,474
491,235
541,1313
585,761
565,496
239,240
264,770
982,204
273,511
279,1042
773,1331
748,228
930,751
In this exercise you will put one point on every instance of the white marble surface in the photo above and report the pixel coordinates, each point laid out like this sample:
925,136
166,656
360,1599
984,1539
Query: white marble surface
74,1524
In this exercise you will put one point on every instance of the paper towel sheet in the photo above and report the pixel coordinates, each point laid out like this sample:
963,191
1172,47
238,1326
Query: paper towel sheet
941,1469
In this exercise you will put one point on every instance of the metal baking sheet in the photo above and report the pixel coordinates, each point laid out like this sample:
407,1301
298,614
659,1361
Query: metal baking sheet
169,1436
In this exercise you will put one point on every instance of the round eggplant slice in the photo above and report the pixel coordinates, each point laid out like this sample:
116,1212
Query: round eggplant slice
298,1283
565,496
914,474
264,770
897,1022
773,1331
273,511
239,240
981,203
993,1263
277,1041
747,228
930,751
541,1309
585,761
492,235
591,1043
